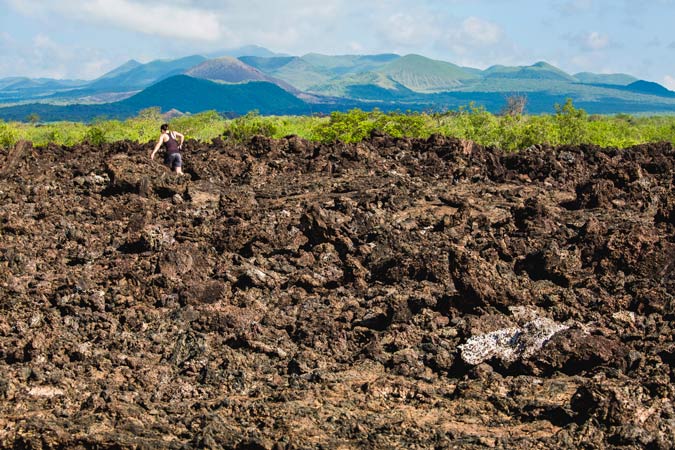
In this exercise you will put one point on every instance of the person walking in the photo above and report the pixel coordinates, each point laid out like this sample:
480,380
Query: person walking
169,139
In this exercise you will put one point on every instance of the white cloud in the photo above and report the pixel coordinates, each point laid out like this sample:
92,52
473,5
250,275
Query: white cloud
472,41
153,18
405,32
591,41
480,32
291,26
669,82
596,41
157,19
477,39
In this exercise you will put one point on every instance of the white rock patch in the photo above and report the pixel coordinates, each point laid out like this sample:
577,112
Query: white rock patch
510,344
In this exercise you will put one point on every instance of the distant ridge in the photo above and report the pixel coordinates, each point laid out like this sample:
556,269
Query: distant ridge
232,70
23,83
620,79
537,71
274,83
181,93
143,75
124,68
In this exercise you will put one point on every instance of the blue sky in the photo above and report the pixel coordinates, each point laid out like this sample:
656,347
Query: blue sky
85,38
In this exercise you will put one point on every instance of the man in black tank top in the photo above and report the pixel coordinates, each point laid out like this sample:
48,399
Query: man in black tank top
172,158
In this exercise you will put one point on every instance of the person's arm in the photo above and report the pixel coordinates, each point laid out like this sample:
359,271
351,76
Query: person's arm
157,146
182,138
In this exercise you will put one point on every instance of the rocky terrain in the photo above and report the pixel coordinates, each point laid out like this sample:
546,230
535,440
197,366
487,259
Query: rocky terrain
286,294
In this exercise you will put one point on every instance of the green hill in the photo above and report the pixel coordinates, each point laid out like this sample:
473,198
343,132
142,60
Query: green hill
189,94
650,88
538,71
421,74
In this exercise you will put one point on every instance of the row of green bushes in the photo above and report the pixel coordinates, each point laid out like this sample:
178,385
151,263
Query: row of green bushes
567,125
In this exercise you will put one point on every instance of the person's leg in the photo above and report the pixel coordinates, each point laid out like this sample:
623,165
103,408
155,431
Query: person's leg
178,164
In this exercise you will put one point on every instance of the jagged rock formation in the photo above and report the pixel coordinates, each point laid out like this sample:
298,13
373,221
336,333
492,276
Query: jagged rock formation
289,294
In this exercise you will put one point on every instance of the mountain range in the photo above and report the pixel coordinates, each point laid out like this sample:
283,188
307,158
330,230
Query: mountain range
253,78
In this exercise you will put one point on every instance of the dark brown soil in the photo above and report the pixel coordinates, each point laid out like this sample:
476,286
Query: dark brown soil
286,294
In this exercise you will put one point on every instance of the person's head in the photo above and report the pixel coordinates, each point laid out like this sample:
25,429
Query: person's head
164,127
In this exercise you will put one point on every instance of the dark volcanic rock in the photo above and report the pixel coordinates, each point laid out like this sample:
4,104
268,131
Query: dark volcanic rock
395,293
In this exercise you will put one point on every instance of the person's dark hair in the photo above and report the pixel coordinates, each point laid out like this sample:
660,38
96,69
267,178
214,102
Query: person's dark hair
164,127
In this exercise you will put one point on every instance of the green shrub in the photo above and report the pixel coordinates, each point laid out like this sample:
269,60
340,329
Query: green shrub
94,135
572,123
245,127
403,125
203,126
356,124
351,126
568,125
8,135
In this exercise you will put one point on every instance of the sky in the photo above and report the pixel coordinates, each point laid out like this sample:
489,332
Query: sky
83,39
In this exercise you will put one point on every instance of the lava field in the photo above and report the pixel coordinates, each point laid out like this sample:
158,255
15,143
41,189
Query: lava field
287,294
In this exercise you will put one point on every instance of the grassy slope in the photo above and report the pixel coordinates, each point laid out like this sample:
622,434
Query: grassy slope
421,74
